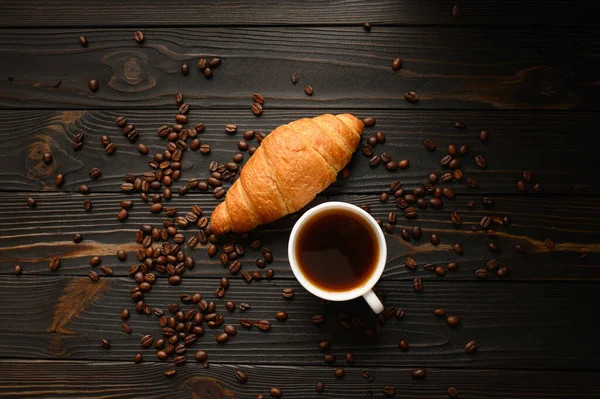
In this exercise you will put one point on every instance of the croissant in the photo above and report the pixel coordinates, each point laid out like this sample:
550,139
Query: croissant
292,165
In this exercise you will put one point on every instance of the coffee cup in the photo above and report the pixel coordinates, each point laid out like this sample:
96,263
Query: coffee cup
337,251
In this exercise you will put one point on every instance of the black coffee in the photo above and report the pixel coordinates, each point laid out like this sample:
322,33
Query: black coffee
337,250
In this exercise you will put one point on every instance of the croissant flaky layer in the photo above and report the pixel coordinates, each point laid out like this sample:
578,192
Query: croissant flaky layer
292,165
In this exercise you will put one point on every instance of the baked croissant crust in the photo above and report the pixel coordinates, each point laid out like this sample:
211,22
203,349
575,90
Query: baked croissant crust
292,165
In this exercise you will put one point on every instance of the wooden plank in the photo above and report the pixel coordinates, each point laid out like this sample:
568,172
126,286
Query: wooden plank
133,13
476,67
554,147
31,237
518,325
76,379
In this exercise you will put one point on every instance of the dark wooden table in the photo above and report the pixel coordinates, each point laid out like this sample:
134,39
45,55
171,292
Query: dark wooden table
525,71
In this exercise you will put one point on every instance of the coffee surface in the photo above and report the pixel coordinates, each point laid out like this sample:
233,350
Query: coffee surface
337,250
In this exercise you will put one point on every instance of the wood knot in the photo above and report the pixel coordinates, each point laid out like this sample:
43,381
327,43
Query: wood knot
207,388
129,71
35,167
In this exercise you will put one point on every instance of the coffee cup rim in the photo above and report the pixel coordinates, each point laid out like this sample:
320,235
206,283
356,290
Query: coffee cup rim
338,295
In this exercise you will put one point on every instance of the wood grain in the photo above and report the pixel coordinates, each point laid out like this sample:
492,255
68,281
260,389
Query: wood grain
555,147
475,67
120,380
31,237
133,13
518,325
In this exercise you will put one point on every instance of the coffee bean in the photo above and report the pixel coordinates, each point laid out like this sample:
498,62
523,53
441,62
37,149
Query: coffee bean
222,338
403,164
405,234
47,158
492,246
418,374
323,346
519,249
185,69
31,202
456,218
262,325
308,90
147,340
434,239
418,284
411,96
458,249
281,316
375,161
452,392
410,263
446,160
410,213
453,321
391,166
471,346
257,109
416,232
93,85
385,157
481,273
208,73
77,238
230,330
339,372
480,161
318,319
396,64
439,312
537,187
105,343
430,145
138,36
403,344
440,270
275,392
388,390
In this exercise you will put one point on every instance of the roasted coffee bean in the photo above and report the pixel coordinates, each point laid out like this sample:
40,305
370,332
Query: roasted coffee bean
396,64
147,341
434,239
439,312
275,392
374,161
94,276
549,243
388,390
416,232
492,246
389,228
93,85
458,249
481,273
318,319
471,346
480,161
391,166
392,217
385,157
440,270
418,284
405,234
383,197
519,249
262,325
31,202
503,272
403,164
446,160
410,263
484,135
138,36
308,90
418,374
456,218
411,96
410,213
84,189
453,321
452,392
452,266
17,270
105,343
339,372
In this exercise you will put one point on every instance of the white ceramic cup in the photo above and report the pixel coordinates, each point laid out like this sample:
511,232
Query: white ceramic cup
366,289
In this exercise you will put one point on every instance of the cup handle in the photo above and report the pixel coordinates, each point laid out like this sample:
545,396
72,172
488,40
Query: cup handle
373,302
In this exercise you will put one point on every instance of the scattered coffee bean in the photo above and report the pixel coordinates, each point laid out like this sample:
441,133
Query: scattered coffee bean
349,357
403,345
480,161
308,90
471,347
410,263
397,64
138,36
281,316
185,69
458,249
430,145
17,270
31,202
418,284
339,372
105,343
411,96
93,85
388,390
138,358
403,164
453,321
275,392
452,392
418,374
